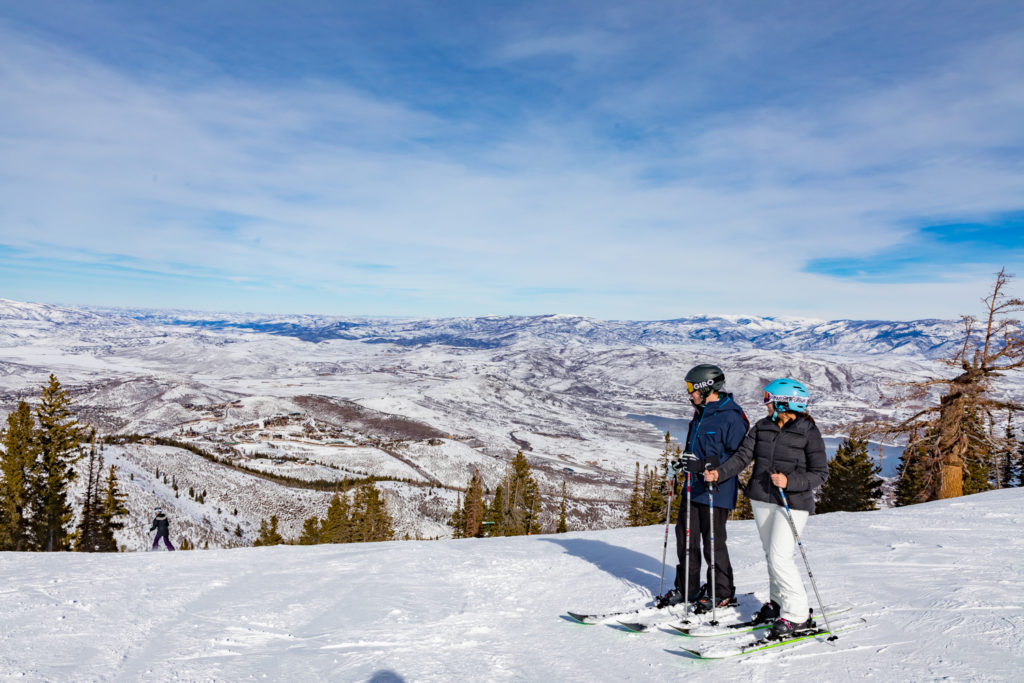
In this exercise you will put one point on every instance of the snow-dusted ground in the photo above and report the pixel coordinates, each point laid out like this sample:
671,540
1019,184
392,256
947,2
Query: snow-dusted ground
940,586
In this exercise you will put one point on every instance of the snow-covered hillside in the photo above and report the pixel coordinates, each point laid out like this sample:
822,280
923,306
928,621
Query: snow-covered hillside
939,586
424,402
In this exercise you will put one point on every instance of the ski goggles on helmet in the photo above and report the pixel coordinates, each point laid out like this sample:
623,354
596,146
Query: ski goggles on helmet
698,386
774,398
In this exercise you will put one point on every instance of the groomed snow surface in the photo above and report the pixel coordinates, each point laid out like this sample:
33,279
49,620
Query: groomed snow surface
939,584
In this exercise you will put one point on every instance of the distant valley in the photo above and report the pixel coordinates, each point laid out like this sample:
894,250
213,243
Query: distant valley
281,406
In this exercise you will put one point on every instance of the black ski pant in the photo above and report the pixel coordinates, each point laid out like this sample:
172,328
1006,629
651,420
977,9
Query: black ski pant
700,540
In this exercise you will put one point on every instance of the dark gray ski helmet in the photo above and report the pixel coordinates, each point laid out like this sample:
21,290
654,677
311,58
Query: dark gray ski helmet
705,378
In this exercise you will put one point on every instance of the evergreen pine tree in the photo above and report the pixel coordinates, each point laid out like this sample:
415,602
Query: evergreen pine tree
457,521
268,534
655,496
494,516
473,508
744,510
526,494
910,475
655,488
112,510
1008,466
311,534
634,516
853,483
1020,464
980,466
373,522
58,445
17,463
517,501
563,524
533,522
338,526
87,535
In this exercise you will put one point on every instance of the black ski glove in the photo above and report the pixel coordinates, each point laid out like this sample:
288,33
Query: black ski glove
712,464
688,462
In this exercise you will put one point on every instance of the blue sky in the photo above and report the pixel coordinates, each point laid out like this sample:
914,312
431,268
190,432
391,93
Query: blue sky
641,160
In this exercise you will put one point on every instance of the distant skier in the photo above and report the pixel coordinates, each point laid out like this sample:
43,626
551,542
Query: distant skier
162,527
788,453
715,432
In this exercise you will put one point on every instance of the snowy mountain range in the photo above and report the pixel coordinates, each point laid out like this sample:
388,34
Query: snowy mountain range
925,338
289,399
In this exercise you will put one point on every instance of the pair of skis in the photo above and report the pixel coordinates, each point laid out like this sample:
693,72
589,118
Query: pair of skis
622,616
744,626
640,627
735,629
764,644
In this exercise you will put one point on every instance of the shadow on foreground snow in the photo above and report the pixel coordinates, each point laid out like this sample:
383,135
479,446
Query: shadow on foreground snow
623,563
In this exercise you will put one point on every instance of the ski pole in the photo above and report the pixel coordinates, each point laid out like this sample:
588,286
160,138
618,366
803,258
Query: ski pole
714,601
803,553
668,520
712,463
686,571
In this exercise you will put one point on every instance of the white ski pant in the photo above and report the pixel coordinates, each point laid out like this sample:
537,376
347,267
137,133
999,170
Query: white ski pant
785,582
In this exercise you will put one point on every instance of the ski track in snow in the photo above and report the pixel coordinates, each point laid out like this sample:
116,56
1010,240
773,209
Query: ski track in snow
940,586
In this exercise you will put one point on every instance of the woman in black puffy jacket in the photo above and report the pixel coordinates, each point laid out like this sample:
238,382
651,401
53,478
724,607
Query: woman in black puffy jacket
788,454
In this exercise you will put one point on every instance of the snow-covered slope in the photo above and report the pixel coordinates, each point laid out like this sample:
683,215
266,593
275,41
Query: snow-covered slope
939,586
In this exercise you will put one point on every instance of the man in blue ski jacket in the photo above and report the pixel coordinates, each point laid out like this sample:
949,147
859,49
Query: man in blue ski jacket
716,430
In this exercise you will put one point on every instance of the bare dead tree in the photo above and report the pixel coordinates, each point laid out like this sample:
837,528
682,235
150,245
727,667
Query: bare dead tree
944,436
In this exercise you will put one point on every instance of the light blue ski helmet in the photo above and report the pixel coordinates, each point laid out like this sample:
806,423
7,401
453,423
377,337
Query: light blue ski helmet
787,394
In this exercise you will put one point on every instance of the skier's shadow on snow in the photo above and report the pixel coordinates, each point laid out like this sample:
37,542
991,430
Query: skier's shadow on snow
639,569
386,677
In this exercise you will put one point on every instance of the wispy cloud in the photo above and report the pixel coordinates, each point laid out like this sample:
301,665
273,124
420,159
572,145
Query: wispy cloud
625,164
935,253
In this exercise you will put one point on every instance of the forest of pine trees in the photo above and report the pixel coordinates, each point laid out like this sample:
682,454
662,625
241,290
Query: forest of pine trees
515,509
365,518
268,533
37,466
650,495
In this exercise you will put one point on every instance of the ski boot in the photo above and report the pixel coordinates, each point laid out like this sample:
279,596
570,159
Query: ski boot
769,612
673,597
703,604
784,628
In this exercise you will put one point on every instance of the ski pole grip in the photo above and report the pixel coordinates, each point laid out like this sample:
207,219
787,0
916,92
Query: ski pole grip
712,463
